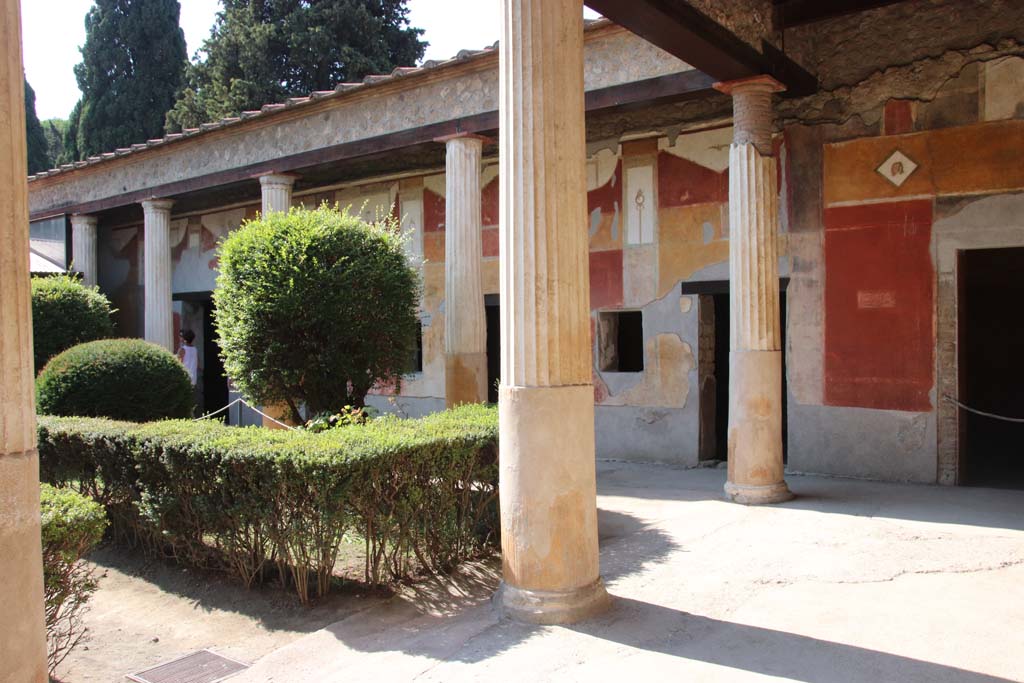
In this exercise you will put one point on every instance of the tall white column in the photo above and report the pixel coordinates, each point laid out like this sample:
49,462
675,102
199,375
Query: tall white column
83,248
277,192
157,249
465,326
755,356
547,465
22,630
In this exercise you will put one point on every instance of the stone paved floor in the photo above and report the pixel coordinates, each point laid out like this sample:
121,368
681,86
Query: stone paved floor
852,581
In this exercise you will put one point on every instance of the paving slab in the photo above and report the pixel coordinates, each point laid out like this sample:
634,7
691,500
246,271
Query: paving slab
852,581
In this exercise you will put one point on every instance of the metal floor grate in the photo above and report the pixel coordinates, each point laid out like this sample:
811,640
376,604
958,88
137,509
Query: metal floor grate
199,667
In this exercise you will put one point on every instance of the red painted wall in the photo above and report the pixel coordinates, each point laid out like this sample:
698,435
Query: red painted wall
879,306
682,182
605,279
433,211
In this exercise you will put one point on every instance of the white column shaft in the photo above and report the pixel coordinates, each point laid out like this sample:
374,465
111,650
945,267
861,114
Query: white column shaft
276,192
465,328
546,406
83,248
159,312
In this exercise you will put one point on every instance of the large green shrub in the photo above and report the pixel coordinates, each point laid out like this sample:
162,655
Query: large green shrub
72,525
64,313
421,493
315,307
122,379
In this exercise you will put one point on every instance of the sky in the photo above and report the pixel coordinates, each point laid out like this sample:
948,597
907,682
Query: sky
54,30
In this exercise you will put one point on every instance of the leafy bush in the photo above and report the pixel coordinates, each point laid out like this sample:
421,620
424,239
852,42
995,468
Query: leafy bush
315,307
64,313
123,379
72,525
421,493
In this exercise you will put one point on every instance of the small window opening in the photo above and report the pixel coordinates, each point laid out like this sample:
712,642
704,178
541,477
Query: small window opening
621,343
416,359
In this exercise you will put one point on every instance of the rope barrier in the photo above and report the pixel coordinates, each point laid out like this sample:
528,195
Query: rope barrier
250,406
1019,420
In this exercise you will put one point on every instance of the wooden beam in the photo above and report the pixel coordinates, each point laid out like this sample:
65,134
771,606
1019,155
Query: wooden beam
790,13
671,88
683,31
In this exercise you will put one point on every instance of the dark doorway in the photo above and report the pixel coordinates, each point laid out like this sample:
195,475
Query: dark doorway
715,295
215,384
991,366
493,311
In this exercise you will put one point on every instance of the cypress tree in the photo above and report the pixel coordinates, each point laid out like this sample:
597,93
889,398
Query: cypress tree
38,150
132,65
263,51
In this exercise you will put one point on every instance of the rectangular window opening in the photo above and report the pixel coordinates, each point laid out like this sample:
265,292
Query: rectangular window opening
621,343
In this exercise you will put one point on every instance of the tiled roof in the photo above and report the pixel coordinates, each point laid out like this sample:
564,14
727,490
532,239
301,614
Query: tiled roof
268,109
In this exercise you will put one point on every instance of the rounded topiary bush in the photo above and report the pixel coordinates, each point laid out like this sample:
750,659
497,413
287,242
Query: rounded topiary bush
314,308
122,379
64,313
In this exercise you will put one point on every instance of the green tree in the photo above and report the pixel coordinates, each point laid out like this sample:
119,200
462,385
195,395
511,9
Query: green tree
132,65
263,51
38,152
315,307
55,129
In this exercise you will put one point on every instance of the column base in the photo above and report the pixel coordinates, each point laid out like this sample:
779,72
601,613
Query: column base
553,607
758,495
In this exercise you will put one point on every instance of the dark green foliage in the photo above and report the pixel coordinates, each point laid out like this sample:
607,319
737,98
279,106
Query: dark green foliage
123,379
132,65
72,525
38,150
421,493
263,51
315,308
65,313
55,130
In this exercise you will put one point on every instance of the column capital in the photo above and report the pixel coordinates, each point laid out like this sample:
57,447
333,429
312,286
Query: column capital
84,219
751,83
156,205
286,179
483,139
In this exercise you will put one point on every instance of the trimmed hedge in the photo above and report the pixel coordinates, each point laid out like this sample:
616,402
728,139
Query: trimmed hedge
72,525
121,379
420,493
64,313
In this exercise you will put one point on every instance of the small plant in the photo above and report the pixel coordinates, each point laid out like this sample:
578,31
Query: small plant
65,313
347,417
72,525
122,379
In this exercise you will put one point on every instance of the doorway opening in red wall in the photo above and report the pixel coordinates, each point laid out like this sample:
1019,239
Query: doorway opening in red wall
712,303
990,350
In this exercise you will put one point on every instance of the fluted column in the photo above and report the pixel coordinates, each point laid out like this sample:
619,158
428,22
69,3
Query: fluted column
465,325
277,192
547,465
755,356
157,249
83,248
22,633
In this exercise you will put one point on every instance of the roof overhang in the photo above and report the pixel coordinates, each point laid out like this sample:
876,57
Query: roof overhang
684,32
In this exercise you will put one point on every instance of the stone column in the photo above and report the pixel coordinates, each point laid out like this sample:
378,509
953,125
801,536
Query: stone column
465,325
755,356
22,633
83,247
276,189
277,192
157,269
547,465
